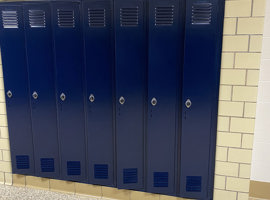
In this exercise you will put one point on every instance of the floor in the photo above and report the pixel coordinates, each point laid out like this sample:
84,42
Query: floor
22,193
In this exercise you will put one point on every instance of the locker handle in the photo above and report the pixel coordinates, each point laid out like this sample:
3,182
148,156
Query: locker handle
122,100
154,101
91,98
9,94
35,95
63,97
188,103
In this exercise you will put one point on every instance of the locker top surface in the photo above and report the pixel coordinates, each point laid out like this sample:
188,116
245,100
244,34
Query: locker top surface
34,1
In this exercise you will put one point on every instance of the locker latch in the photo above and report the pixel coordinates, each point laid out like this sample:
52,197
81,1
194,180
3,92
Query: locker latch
91,98
9,94
122,100
63,97
154,101
35,95
188,103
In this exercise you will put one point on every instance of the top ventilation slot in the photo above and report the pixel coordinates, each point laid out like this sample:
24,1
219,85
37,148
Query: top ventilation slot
201,13
129,16
10,19
164,16
65,18
37,19
96,17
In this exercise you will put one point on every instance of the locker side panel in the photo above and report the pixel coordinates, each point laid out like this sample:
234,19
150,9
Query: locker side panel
68,46
16,88
204,22
99,60
165,51
39,45
130,38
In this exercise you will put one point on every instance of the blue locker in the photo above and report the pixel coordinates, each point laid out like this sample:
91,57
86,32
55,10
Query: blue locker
131,64
203,38
16,88
166,28
39,45
68,47
99,62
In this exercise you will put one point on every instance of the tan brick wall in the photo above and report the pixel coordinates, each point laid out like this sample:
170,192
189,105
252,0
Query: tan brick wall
5,164
242,43
243,29
260,174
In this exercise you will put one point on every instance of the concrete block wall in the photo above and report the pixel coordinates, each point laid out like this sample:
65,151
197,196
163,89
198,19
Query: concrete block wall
242,41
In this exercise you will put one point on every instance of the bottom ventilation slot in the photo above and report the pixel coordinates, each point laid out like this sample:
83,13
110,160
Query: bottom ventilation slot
130,175
73,168
22,162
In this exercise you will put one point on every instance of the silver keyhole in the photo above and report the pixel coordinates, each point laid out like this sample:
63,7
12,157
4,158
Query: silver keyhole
188,103
63,97
122,100
9,94
91,98
154,101
35,95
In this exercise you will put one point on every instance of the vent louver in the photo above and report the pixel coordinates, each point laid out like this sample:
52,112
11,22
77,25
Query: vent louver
10,19
129,17
37,19
201,13
193,184
164,16
22,162
96,17
161,179
130,175
65,18
47,164
73,168
101,171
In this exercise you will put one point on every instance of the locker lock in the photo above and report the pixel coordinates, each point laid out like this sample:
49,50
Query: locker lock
188,103
122,100
63,97
91,98
154,101
35,95
9,94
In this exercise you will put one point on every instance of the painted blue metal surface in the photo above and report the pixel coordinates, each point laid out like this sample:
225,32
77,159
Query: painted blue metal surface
202,55
214,118
165,114
68,46
39,45
131,66
16,81
99,73
166,31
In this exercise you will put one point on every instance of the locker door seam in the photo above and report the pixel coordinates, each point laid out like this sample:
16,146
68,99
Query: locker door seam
28,86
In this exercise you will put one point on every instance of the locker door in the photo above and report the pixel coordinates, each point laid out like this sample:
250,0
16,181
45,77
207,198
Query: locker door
99,55
130,55
166,27
16,88
204,22
39,47
69,68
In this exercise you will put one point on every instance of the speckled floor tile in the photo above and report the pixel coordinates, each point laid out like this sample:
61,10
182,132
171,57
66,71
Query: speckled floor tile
21,193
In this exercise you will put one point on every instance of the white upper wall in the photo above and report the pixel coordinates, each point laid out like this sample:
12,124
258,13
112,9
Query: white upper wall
260,170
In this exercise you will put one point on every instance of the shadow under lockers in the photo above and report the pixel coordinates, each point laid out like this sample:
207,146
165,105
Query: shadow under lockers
119,93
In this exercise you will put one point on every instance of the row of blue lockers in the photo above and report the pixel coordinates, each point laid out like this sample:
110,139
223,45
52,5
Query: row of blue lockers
118,93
